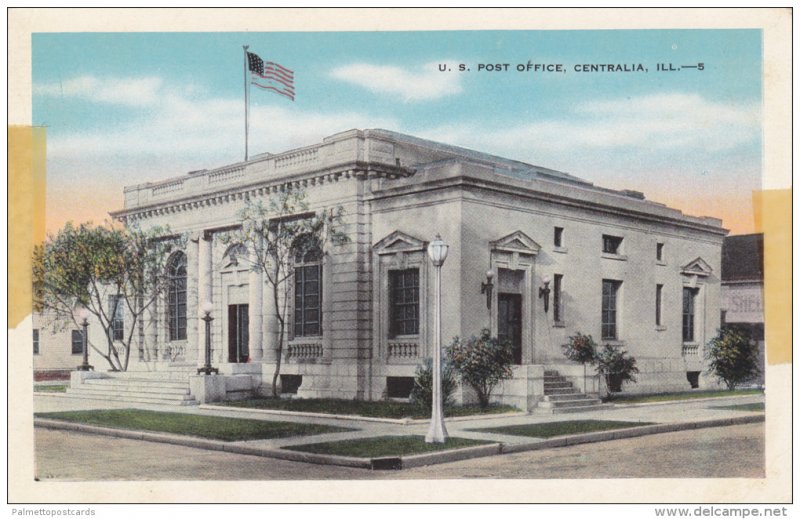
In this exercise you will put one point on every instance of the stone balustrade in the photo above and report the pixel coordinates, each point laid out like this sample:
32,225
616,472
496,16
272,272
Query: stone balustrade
691,350
403,350
304,351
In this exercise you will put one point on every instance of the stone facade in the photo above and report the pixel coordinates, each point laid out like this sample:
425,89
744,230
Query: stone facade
398,192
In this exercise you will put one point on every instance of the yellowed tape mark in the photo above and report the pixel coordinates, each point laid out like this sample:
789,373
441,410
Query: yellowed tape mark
26,213
773,215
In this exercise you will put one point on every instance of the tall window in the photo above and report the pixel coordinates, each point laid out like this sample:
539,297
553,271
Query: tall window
659,252
659,295
77,342
308,290
36,341
689,295
403,302
176,297
558,311
611,244
116,309
558,236
609,311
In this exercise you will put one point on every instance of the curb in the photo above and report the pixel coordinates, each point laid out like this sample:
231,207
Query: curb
686,401
356,418
396,462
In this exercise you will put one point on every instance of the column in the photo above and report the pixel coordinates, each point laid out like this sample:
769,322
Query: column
204,291
151,332
194,349
255,310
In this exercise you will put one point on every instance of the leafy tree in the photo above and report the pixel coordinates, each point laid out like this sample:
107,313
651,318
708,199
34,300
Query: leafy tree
102,268
482,362
616,367
275,234
422,392
733,356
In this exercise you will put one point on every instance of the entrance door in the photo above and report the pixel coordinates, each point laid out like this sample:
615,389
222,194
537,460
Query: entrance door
509,322
238,336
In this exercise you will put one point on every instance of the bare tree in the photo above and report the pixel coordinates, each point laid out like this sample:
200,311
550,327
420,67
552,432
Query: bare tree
275,235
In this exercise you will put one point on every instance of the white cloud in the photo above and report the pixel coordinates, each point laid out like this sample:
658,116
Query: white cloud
177,134
131,91
657,124
422,84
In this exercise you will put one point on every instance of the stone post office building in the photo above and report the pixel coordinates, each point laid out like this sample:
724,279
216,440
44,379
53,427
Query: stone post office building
621,268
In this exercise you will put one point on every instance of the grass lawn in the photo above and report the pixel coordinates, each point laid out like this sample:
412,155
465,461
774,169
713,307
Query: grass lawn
384,446
685,395
50,388
375,409
213,427
550,429
757,407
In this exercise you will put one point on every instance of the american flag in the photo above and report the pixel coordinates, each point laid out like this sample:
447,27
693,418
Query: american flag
270,76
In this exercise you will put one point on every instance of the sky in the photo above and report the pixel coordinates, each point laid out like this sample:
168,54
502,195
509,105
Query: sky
128,108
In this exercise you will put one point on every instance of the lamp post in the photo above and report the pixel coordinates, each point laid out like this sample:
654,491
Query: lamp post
486,288
437,250
207,369
83,315
544,292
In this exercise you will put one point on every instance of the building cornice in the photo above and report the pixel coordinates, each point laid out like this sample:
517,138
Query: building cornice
353,170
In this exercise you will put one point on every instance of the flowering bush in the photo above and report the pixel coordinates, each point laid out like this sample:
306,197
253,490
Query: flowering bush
581,348
422,392
482,362
616,367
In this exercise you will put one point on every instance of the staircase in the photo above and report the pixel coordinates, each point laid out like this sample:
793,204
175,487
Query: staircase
160,388
560,396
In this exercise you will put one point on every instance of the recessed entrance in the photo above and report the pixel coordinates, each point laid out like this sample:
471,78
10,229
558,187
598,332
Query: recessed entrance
509,322
238,336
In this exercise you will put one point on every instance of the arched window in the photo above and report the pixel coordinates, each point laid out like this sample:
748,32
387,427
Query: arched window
307,287
176,297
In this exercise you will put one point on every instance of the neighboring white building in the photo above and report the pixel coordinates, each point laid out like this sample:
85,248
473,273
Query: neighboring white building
57,348
625,270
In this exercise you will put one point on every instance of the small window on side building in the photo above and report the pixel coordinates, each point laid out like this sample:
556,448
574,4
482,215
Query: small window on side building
36,342
558,236
659,252
612,244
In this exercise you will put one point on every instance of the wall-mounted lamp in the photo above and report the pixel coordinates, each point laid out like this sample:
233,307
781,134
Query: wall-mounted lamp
486,288
544,292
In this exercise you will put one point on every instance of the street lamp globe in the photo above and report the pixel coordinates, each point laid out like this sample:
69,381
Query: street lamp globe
208,307
437,250
83,314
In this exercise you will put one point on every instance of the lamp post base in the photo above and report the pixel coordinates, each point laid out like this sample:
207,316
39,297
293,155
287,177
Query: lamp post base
436,434
85,367
207,370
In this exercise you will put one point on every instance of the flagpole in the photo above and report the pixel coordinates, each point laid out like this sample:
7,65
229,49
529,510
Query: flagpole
246,104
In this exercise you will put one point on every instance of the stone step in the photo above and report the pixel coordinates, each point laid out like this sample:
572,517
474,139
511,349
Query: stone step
562,391
131,388
136,383
574,402
146,398
178,374
551,372
551,378
565,396
557,385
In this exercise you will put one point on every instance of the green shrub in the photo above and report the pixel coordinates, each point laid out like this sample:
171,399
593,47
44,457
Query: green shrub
581,348
482,362
733,357
616,367
422,392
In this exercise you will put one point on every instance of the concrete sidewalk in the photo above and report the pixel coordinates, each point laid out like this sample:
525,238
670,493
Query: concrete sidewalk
665,417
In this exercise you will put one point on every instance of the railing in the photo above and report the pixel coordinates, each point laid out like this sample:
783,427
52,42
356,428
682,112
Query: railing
163,189
304,351
691,350
225,175
297,159
403,350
